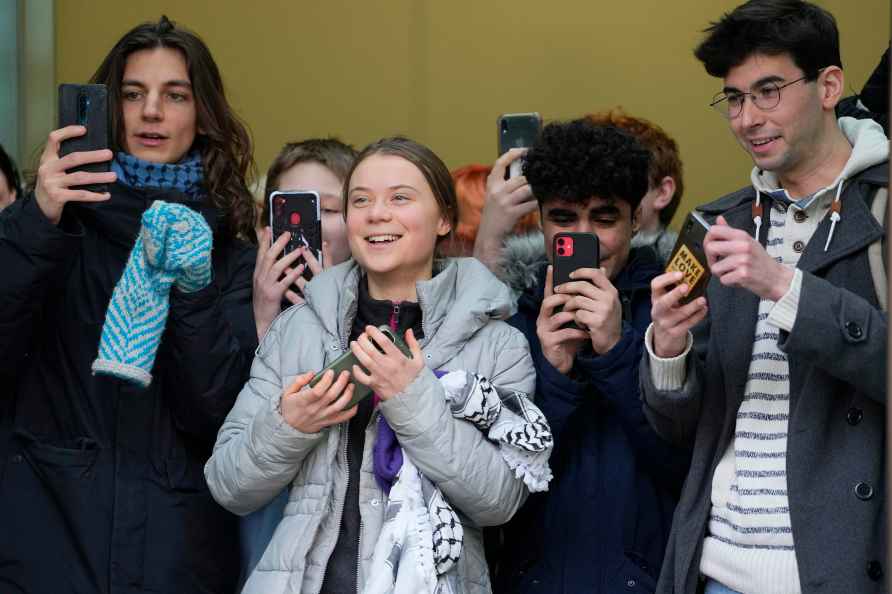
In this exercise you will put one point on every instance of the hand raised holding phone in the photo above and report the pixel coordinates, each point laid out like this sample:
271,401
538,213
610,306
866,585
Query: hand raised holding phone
507,201
560,339
385,367
310,409
56,187
73,166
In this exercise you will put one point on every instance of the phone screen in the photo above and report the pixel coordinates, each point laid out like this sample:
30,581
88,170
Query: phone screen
299,214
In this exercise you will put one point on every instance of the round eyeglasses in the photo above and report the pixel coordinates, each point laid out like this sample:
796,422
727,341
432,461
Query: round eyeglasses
766,97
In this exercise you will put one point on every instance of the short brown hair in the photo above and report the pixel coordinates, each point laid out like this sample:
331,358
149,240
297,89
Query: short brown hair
331,153
431,166
665,160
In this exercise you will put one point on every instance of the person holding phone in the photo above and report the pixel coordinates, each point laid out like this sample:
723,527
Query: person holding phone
318,164
603,524
400,205
101,484
777,377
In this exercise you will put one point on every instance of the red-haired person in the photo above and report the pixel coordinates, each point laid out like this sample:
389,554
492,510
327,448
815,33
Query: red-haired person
665,183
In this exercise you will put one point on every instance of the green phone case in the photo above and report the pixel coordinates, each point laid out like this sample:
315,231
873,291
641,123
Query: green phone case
346,362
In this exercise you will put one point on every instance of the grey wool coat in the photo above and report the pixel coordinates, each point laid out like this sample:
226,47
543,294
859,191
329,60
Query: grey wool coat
258,454
836,437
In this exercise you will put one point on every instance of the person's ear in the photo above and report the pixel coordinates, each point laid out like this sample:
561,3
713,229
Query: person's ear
665,193
831,86
443,227
636,219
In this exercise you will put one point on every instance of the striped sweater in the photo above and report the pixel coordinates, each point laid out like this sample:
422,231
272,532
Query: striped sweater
749,545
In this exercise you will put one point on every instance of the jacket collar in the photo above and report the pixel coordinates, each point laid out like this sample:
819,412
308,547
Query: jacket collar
462,297
857,229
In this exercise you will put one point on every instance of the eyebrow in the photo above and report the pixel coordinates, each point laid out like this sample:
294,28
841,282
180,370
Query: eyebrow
396,187
170,83
762,81
607,209
557,210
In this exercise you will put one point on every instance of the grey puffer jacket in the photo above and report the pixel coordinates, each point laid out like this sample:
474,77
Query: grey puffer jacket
257,453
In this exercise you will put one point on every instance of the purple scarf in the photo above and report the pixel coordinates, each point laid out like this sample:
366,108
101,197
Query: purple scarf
386,453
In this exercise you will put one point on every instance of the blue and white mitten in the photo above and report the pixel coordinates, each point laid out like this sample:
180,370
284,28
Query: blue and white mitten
173,247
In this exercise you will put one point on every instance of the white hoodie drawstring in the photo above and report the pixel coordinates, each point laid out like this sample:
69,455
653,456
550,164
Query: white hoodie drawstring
835,209
757,214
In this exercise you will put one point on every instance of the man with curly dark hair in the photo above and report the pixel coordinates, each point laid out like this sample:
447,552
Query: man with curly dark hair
603,524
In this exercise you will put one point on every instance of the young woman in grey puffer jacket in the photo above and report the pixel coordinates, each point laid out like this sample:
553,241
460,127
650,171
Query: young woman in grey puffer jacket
399,204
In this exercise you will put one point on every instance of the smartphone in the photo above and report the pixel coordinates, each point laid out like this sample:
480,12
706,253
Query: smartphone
299,213
85,105
689,257
346,362
517,130
572,251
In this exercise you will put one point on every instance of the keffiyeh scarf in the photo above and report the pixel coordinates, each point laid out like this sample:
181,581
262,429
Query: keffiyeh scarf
422,536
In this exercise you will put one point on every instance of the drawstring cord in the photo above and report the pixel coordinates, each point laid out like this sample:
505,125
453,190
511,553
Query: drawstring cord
757,214
835,216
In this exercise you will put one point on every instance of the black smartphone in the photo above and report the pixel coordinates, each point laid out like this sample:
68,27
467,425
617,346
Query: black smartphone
85,105
689,257
299,213
346,362
517,130
572,251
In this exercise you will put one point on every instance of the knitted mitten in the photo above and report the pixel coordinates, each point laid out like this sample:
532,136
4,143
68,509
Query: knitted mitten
173,246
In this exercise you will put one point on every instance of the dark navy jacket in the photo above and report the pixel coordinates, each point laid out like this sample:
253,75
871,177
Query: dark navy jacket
102,487
603,524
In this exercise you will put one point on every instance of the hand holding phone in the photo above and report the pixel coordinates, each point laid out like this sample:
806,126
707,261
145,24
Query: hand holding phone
380,341
506,202
298,213
74,166
689,257
312,409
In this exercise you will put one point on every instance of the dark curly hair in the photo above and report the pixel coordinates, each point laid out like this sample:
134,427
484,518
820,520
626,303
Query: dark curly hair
225,144
806,32
576,161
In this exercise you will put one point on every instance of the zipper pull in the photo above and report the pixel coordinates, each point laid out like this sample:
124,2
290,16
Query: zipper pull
394,317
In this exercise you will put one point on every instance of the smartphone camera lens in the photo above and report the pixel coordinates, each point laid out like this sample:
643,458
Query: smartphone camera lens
561,240
561,251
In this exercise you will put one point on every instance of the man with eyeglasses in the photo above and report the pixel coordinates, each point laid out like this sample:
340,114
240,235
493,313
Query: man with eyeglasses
781,387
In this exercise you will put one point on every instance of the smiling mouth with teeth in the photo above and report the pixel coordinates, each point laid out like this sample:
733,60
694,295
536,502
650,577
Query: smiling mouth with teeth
382,238
763,142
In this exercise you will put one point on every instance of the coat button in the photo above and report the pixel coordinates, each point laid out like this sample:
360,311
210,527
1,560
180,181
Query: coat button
798,246
854,330
631,583
780,207
874,570
854,416
799,216
17,459
863,491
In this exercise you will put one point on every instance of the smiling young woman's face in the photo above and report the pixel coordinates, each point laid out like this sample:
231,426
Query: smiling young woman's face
393,219
158,106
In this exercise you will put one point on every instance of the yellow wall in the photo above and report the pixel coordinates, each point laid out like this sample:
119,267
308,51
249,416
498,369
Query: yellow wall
442,71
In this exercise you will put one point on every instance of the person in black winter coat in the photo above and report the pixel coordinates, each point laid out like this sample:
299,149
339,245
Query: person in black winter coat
603,524
101,481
